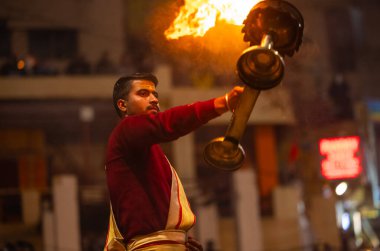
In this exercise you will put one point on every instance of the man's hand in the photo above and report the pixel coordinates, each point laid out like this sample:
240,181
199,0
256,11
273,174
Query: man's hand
229,101
193,245
232,97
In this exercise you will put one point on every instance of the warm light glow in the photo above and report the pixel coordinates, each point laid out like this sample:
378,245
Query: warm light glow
20,64
196,17
341,188
341,157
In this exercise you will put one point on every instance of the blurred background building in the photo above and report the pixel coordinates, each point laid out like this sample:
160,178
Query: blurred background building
311,176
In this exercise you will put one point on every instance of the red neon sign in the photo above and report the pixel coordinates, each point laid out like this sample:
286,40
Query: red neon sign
341,157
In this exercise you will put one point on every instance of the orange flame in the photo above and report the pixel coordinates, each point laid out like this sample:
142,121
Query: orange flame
196,17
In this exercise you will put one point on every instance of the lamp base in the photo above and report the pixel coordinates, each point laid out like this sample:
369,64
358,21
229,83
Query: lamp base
224,154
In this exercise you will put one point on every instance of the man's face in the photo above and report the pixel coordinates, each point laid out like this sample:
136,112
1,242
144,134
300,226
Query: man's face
142,98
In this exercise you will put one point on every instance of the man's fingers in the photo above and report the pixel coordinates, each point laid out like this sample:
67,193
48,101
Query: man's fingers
234,95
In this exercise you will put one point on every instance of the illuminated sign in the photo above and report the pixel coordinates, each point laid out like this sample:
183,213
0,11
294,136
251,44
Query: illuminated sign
341,160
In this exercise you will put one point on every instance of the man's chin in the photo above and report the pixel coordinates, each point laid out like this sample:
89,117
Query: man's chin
152,111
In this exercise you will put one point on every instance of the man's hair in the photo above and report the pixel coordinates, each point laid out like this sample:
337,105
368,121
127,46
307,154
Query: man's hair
123,86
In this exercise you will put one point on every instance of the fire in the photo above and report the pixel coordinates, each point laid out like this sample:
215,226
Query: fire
196,17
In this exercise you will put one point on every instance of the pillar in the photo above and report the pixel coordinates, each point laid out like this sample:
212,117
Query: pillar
66,209
247,210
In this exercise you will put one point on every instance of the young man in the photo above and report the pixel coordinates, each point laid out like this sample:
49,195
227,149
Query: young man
150,210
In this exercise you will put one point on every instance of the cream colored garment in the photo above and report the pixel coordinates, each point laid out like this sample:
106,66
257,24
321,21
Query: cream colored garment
173,238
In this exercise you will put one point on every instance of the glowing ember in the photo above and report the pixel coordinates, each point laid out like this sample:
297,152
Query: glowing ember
196,17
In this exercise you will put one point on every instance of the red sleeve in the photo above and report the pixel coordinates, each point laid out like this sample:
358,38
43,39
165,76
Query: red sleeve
142,131
168,125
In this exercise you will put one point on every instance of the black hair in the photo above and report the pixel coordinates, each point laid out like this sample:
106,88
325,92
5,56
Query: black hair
124,84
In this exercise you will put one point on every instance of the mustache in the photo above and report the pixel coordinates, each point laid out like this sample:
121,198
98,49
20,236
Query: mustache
155,107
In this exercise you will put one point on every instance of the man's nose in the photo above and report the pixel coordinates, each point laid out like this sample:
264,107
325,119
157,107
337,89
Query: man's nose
153,98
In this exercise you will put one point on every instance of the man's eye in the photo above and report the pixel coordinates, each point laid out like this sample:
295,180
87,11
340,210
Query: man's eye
144,93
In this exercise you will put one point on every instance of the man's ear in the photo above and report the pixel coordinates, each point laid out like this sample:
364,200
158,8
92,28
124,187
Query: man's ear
121,104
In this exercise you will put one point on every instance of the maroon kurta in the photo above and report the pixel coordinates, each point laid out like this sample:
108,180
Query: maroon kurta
138,174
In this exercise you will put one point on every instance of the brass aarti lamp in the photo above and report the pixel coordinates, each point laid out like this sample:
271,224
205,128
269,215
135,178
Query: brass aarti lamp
274,28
